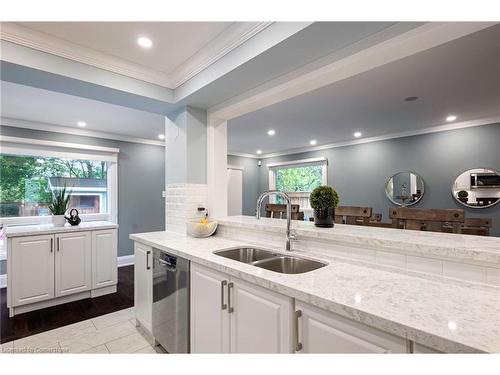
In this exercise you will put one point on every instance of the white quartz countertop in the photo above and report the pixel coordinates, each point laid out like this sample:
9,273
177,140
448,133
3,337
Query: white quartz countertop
447,316
33,230
466,247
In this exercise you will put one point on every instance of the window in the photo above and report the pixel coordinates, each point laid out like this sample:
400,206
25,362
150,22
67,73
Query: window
29,176
298,179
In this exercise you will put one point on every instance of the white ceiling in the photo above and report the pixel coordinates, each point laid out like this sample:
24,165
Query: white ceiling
48,107
461,77
173,42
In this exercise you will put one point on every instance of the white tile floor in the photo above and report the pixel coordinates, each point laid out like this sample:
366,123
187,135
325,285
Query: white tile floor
111,333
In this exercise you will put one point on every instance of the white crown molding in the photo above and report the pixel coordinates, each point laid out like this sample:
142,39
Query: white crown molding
231,38
17,123
434,129
24,36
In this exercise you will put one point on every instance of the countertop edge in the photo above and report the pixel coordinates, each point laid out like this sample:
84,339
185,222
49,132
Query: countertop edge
65,229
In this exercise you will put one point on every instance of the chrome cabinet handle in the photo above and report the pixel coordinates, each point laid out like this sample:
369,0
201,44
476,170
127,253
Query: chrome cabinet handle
223,305
148,267
51,245
229,287
298,344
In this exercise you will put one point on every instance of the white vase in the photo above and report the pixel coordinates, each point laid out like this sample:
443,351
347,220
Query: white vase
58,220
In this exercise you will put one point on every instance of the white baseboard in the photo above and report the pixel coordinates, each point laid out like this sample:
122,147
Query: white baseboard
3,281
126,260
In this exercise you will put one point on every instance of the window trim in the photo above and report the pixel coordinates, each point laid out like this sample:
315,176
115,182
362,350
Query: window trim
19,146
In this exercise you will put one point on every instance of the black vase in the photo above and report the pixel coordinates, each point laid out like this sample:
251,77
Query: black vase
323,217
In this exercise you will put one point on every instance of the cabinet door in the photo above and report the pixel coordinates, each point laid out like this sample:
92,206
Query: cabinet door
260,321
321,331
32,269
73,270
143,285
209,311
104,258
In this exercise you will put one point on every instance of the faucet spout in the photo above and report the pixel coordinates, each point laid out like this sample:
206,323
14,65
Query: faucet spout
289,235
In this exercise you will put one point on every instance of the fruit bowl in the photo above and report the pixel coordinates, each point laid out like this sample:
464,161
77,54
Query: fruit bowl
201,228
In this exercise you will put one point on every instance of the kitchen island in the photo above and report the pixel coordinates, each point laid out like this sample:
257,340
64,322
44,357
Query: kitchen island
386,290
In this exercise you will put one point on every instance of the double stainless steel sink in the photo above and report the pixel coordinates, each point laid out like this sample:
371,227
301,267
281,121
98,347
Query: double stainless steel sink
271,261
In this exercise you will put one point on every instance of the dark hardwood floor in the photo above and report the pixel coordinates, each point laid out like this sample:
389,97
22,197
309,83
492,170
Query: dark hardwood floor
34,322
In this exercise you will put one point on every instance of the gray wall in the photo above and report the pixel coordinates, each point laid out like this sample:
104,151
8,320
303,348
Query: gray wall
141,180
359,172
251,181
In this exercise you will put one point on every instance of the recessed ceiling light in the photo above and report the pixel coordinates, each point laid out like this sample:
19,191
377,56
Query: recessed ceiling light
259,152
451,118
161,136
81,124
144,42
411,98
357,134
313,142
271,132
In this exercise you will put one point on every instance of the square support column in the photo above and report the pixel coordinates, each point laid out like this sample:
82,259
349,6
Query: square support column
186,167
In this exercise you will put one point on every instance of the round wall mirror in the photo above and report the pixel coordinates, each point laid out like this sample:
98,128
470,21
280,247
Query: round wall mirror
405,188
477,188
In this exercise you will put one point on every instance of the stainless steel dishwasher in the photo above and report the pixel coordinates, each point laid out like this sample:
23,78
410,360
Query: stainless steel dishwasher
171,302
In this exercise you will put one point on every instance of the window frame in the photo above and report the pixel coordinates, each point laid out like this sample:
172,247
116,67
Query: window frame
273,168
18,146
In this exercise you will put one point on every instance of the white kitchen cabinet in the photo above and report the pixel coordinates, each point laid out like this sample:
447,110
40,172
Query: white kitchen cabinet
320,331
73,264
260,319
229,315
143,285
59,266
31,269
104,258
209,317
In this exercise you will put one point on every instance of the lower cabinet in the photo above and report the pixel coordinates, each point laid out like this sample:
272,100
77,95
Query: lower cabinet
31,270
229,315
104,258
143,285
73,264
320,331
50,269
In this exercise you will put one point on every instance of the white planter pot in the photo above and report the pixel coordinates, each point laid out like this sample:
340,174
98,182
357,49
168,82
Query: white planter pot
58,220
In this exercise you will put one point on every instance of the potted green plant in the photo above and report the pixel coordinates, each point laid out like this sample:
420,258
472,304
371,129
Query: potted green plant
59,206
463,196
324,199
